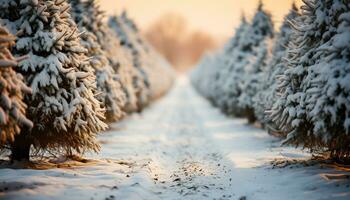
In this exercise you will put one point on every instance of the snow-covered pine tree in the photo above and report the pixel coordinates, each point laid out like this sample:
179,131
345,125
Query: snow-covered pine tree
139,45
89,20
133,30
202,73
206,75
118,56
238,35
123,64
313,105
255,76
128,73
210,81
232,87
63,107
144,60
257,42
210,85
328,88
12,88
266,95
304,40
214,71
232,72
140,79
158,71
129,22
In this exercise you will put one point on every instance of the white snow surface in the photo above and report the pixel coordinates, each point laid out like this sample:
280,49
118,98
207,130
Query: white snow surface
179,148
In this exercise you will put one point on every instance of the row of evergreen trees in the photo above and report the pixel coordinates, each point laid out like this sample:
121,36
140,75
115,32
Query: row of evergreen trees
67,74
294,82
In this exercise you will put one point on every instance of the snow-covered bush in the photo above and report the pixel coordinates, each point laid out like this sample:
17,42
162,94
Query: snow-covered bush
313,104
90,21
63,107
12,107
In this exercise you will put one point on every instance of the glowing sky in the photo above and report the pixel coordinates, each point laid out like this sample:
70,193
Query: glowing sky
218,17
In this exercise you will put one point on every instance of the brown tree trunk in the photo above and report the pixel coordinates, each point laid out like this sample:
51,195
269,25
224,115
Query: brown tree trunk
250,115
20,148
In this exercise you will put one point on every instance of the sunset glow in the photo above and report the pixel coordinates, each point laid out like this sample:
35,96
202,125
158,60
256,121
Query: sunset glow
216,17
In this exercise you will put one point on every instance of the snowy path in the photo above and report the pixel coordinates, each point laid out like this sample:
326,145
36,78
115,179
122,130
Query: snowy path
179,148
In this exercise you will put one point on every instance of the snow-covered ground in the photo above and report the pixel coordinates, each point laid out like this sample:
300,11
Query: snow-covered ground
180,148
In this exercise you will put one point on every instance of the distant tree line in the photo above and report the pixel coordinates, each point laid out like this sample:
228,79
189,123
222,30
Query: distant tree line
182,47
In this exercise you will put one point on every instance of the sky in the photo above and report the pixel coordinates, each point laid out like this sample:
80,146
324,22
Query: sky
217,17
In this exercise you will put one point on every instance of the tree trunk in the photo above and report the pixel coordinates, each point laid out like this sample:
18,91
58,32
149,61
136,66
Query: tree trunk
20,148
250,115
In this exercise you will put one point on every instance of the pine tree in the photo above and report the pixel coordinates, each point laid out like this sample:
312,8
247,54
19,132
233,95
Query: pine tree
253,82
266,95
256,46
198,73
63,107
214,89
215,71
240,32
206,75
223,69
231,73
163,74
157,71
122,60
140,78
144,60
313,104
12,107
327,85
89,20
218,76
133,32
128,74
217,63
129,22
